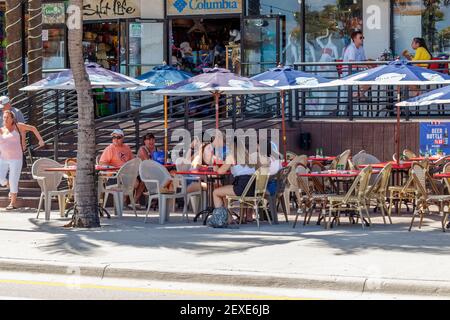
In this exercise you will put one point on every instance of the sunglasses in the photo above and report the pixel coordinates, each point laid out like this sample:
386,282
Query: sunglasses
361,38
117,137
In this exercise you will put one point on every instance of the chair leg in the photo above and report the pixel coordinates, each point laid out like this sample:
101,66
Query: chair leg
162,210
422,214
327,222
273,208
367,214
267,213
383,214
62,205
391,203
149,206
133,203
48,206
285,210
412,220
444,219
361,217
257,215
40,205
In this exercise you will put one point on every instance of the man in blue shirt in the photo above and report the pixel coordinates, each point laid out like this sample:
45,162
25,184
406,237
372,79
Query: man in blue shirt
355,52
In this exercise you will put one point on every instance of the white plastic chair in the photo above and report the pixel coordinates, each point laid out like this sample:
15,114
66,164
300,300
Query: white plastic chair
155,175
126,179
49,182
195,198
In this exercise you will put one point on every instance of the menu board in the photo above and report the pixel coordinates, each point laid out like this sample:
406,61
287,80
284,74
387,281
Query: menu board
434,137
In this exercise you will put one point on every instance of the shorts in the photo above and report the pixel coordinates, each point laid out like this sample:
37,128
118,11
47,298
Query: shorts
239,184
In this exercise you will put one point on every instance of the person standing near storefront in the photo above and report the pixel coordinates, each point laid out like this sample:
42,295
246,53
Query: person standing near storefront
5,104
355,52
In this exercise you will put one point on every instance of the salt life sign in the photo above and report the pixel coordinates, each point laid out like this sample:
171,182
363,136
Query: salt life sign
111,9
203,7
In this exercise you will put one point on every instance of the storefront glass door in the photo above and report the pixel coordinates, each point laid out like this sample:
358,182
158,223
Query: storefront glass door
145,51
261,42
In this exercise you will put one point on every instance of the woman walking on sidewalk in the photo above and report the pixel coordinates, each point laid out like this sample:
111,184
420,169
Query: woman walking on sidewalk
12,146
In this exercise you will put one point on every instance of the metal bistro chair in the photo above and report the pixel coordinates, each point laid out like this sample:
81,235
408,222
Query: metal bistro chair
377,192
280,179
258,201
196,197
49,183
311,199
126,179
424,199
155,175
354,200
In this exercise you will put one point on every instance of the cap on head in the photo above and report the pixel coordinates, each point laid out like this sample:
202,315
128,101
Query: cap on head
4,100
117,132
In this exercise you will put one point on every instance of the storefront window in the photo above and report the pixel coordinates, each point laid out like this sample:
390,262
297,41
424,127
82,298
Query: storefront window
289,12
329,24
53,48
53,35
421,18
146,51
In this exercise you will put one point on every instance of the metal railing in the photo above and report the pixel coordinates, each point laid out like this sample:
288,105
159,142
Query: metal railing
347,102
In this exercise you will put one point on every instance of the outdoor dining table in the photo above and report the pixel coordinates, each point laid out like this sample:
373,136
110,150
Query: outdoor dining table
398,169
442,175
211,177
99,171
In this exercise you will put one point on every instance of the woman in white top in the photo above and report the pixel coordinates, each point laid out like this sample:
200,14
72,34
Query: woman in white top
241,174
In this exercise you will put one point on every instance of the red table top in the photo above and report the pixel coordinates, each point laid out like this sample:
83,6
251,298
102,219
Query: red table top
202,173
434,158
405,165
332,174
442,175
320,159
74,168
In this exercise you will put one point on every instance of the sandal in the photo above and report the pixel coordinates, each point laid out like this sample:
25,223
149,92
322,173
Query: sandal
10,207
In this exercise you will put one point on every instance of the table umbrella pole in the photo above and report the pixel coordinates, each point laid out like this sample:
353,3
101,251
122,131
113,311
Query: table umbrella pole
166,126
216,97
283,124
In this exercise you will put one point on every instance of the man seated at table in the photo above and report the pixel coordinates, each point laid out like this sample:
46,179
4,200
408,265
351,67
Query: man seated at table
117,153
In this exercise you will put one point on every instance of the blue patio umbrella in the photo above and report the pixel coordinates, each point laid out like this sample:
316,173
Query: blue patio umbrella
159,77
98,76
216,81
438,96
287,78
397,73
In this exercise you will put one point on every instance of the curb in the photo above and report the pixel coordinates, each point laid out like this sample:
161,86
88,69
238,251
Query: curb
336,283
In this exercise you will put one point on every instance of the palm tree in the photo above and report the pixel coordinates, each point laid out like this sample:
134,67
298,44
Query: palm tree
86,215
13,32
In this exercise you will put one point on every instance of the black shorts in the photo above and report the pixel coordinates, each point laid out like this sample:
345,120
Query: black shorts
239,184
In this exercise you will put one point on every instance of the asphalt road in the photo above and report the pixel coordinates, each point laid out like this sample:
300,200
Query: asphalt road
36,286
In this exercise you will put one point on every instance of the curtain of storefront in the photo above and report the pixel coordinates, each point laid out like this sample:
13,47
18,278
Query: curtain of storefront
421,18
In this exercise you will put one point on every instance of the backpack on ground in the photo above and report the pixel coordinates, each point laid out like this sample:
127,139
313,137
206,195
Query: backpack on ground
219,218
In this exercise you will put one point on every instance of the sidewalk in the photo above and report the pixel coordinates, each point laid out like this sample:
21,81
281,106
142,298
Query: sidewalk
386,259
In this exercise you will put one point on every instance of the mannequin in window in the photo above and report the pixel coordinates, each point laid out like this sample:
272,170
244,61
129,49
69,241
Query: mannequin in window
329,53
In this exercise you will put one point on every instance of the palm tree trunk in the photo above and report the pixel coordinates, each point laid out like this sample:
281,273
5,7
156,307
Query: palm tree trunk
85,190
34,54
13,32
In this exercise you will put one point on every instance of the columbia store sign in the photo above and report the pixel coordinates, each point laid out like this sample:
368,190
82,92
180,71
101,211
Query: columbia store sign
202,7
